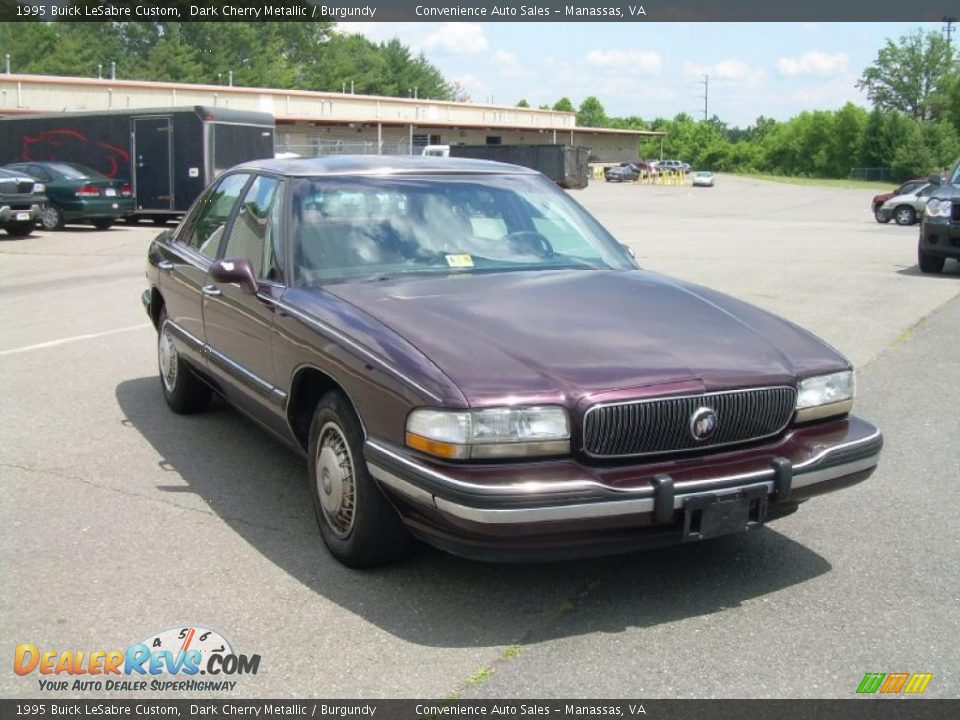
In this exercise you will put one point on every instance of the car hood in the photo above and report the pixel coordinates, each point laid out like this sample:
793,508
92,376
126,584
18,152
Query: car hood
563,336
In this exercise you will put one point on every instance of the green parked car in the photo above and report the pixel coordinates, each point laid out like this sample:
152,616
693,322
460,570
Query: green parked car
77,194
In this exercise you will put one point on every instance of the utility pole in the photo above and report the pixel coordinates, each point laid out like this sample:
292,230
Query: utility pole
949,22
706,96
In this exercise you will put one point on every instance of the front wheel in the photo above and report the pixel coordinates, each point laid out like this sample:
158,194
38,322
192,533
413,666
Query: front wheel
183,391
929,263
905,215
879,216
51,218
20,229
359,526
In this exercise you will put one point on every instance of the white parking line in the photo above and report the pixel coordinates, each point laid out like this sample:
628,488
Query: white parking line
76,338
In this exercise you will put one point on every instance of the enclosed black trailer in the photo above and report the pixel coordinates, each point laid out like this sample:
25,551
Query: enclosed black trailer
168,155
565,165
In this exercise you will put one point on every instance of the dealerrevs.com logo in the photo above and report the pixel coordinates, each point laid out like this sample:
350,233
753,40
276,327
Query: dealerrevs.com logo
170,660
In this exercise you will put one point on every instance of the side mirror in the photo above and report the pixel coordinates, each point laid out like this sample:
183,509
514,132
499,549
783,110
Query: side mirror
235,270
935,179
628,250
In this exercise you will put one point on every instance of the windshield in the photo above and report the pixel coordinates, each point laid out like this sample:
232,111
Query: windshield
351,228
955,180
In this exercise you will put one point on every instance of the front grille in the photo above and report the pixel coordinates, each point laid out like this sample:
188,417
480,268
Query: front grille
651,427
12,186
955,213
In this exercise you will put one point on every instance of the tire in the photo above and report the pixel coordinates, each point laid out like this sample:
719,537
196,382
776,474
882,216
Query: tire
159,221
132,220
358,524
929,263
905,215
103,223
20,229
879,217
184,392
51,218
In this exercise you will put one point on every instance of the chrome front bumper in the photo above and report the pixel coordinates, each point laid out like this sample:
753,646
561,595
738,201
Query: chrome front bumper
523,502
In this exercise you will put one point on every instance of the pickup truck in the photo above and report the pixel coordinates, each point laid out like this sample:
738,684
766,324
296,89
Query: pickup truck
940,224
21,201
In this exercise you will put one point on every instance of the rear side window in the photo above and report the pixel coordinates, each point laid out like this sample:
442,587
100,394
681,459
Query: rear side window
205,228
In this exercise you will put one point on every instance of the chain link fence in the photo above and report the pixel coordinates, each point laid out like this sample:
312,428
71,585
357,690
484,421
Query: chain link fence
873,174
323,148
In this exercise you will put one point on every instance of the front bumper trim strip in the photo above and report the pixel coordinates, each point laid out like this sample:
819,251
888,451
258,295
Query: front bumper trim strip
610,508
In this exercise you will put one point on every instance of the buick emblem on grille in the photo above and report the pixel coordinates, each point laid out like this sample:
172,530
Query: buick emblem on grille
703,423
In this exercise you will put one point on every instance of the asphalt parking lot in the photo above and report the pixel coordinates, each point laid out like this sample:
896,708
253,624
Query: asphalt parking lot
120,519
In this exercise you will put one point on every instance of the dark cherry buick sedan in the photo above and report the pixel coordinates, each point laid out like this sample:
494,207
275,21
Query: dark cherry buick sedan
466,356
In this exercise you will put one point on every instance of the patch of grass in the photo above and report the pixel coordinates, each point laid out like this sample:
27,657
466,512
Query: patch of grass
480,676
511,651
824,182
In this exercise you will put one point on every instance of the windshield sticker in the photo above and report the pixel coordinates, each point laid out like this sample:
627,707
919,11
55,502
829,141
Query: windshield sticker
459,261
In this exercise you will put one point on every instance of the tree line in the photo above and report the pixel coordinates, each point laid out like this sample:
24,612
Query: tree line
285,55
912,130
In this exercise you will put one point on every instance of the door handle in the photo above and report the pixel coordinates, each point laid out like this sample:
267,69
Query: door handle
165,265
210,290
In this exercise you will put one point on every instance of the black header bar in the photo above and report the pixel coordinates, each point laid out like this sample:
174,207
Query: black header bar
634,11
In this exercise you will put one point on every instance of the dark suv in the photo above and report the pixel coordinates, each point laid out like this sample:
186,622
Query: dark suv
21,201
940,227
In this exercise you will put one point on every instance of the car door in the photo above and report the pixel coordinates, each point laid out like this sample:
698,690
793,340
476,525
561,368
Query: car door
238,324
185,260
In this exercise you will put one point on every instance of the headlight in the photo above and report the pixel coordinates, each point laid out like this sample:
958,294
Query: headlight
39,187
490,433
938,208
825,396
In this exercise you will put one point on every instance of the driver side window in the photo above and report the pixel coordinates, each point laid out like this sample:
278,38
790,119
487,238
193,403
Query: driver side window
206,227
254,234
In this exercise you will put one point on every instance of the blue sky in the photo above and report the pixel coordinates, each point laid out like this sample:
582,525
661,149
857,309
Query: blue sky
653,69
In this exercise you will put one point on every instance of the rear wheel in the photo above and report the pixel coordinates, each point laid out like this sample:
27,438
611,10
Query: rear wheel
51,218
879,216
102,223
183,391
905,215
929,263
359,526
20,229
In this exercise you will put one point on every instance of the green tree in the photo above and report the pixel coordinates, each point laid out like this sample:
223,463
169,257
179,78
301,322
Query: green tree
912,158
910,75
591,113
564,105
523,103
846,143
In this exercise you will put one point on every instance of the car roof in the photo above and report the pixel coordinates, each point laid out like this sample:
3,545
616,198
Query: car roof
381,165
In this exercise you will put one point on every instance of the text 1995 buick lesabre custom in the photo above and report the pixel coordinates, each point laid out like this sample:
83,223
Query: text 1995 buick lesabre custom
466,356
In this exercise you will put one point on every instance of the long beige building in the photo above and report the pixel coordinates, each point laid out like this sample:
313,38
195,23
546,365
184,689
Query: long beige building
317,123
